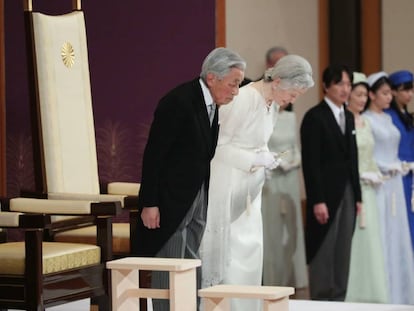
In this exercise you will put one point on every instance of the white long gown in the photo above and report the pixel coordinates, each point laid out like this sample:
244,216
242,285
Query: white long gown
232,246
395,234
284,246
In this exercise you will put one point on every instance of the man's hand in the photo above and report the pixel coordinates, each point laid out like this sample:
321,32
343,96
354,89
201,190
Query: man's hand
358,207
321,213
151,217
361,212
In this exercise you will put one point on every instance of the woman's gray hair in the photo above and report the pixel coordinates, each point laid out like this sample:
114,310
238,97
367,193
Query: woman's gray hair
220,61
294,72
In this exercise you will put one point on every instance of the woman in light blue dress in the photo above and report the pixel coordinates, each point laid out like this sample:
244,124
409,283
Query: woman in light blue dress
367,280
395,234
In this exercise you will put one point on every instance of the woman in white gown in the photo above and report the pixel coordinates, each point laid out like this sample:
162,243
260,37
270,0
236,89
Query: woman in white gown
232,246
395,234
284,262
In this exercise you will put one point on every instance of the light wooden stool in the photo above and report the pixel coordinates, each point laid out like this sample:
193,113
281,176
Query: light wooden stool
217,298
125,282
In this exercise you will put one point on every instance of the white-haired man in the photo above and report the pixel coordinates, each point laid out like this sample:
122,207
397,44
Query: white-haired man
176,164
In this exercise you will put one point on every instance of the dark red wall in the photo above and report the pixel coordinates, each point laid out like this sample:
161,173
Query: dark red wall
138,50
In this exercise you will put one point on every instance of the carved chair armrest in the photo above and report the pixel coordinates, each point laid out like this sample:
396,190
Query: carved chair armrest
86,197
128,189
101,212
9,219
64,207
24,221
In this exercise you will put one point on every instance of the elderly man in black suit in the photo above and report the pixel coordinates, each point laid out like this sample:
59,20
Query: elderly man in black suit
176,163
333,194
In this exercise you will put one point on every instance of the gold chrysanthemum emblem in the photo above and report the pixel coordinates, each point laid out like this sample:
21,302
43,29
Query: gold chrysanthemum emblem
68,54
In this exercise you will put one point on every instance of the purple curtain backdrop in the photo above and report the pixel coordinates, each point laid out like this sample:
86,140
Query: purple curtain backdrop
138,50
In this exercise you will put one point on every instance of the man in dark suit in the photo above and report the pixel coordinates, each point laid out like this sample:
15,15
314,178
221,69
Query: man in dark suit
176,163
333,194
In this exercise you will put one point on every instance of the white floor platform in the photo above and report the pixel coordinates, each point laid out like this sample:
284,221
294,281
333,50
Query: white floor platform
309,305
294,305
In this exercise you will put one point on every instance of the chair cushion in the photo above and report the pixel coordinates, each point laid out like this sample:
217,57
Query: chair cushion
56,257
120,237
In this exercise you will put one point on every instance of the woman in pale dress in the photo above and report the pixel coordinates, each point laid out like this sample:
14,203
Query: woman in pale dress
232,246
367,280
395,234
284,262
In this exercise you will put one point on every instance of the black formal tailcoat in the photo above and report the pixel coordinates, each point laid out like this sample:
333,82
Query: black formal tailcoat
329,161
176,162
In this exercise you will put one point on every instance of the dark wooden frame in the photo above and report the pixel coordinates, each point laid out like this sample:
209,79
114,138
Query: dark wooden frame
35,291
323,31
3,170
220,23
371,36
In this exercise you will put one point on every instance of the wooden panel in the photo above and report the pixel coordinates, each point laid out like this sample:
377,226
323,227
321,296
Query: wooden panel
323,38
371,43
2,106
220,23
344,36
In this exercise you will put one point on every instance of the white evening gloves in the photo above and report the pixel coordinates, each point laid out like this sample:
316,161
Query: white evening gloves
407,167
289,165
389,170
392,169
372,178
266,159
397,168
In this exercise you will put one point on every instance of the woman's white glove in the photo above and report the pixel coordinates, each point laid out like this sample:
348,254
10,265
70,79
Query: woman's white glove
396,168
407,167
266,159
372,178
287,166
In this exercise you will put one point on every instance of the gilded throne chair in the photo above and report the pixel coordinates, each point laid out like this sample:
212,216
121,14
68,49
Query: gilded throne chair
64,139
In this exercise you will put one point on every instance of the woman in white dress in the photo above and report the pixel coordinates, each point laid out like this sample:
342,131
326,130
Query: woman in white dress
284,262
232,246
395,234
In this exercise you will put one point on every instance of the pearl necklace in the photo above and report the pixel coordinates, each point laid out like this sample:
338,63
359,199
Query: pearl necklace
268,101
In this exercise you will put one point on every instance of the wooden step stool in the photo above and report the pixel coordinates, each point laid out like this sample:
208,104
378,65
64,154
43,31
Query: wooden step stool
217,298
126,289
